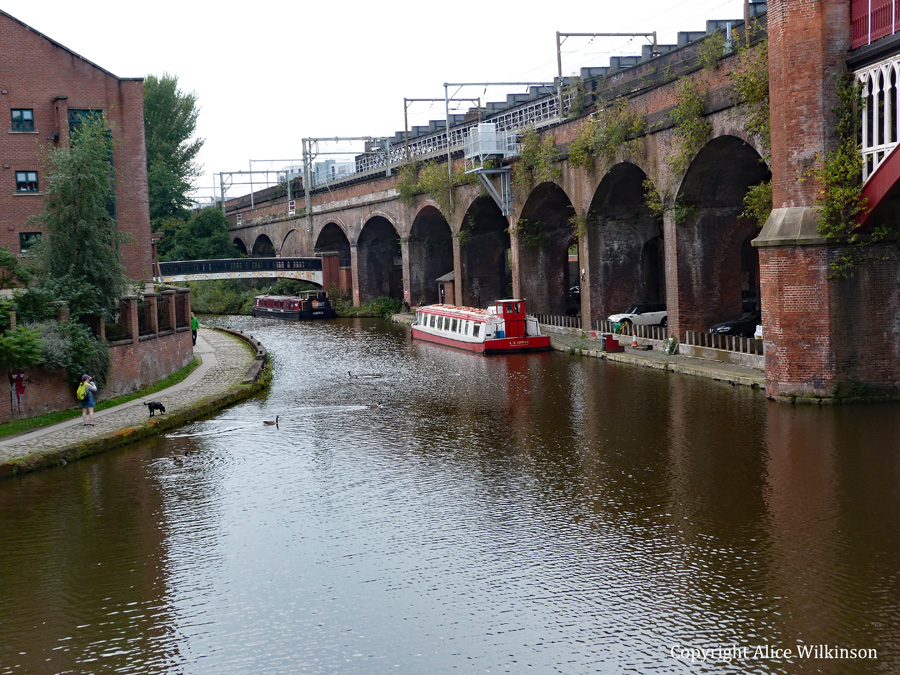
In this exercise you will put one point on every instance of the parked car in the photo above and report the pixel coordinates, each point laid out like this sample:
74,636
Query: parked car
743,327
573,301
643,314
748,301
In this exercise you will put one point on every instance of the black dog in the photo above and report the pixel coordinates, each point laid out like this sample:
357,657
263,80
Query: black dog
155,406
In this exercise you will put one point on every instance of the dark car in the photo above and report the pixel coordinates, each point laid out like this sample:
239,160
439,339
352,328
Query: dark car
743,327
573,301
748,301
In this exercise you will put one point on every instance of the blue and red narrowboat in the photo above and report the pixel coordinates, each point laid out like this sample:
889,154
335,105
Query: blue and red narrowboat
304,307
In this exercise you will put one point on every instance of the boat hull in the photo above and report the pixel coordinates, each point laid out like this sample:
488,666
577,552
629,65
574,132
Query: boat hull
295,315
532,343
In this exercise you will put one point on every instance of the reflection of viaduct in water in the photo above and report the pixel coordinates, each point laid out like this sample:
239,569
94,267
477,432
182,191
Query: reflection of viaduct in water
698,257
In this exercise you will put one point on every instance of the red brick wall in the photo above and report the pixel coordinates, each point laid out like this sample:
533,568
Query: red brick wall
826,336
132,368
39,74
808,42
797,321
152,360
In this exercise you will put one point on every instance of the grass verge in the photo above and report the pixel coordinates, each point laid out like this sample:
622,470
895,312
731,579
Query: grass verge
20,426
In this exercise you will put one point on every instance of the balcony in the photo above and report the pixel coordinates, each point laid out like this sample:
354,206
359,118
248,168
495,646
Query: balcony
873,19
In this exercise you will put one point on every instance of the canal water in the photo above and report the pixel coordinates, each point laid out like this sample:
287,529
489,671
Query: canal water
420,510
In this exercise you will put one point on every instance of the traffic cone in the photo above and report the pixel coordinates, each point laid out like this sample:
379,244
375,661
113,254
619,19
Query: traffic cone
634,342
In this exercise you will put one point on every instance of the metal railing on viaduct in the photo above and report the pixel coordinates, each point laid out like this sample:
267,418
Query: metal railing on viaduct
307,269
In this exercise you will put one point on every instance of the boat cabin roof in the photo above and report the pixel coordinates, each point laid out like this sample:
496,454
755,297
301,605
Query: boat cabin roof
303,295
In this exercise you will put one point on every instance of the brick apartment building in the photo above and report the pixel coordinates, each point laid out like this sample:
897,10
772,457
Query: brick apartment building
44,90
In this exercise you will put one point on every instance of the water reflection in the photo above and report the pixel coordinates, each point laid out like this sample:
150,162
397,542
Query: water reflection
423,510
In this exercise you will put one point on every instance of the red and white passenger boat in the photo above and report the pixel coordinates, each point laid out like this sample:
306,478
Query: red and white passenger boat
501,328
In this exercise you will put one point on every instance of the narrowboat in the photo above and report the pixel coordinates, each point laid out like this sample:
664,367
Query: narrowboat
303,307
501,328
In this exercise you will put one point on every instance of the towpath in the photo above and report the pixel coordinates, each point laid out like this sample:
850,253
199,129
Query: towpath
220,379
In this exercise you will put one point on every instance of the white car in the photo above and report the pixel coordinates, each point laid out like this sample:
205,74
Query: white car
644,314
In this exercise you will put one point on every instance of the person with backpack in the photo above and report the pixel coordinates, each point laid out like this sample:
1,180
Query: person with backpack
85,394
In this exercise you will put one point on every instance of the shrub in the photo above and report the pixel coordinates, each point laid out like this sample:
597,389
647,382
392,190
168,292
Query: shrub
70,346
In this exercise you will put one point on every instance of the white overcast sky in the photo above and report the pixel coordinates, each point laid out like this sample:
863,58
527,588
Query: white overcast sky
270,73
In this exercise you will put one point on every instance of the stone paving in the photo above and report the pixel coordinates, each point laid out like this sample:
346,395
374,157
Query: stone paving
657,358
225,362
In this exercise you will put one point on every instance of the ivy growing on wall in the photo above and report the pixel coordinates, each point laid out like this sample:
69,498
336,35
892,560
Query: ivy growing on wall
712,50
574,91
839,178
654,201
758,203
691,128
416,179
604,133
579,225
531,233
538,160
407,184
751,84
658,203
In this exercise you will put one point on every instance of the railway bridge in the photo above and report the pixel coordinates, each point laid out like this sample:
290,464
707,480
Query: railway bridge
632,185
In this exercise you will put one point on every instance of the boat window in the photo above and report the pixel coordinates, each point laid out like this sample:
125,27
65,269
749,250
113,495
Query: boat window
453,326
440,325
475,328
432,321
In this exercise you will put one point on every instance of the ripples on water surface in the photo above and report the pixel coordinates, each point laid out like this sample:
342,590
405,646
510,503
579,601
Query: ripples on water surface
444,512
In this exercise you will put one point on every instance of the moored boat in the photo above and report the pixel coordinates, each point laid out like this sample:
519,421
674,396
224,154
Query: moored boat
304,307
501,328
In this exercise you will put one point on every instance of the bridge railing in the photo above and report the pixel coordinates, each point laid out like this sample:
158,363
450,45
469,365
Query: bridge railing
873,19
238,265
538,112
730,343
559,320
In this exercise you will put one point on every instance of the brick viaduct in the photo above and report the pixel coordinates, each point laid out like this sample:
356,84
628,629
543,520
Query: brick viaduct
824,337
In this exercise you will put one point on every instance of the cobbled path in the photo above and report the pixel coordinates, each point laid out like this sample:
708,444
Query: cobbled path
225,362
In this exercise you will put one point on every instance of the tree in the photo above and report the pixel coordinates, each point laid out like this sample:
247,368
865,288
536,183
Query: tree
21,348
170,120
203,237
78,255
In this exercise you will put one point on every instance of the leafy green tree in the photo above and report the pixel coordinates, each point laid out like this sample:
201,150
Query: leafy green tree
169,228
203,237
20,348
78,255
170,120
13,271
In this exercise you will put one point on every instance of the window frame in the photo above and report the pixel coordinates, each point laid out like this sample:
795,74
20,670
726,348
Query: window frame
22,124
27,182
26,239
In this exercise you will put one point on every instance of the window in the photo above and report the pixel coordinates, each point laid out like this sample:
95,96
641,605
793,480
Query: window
432,321
22,119
475,328
28,239
453,326
26,181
